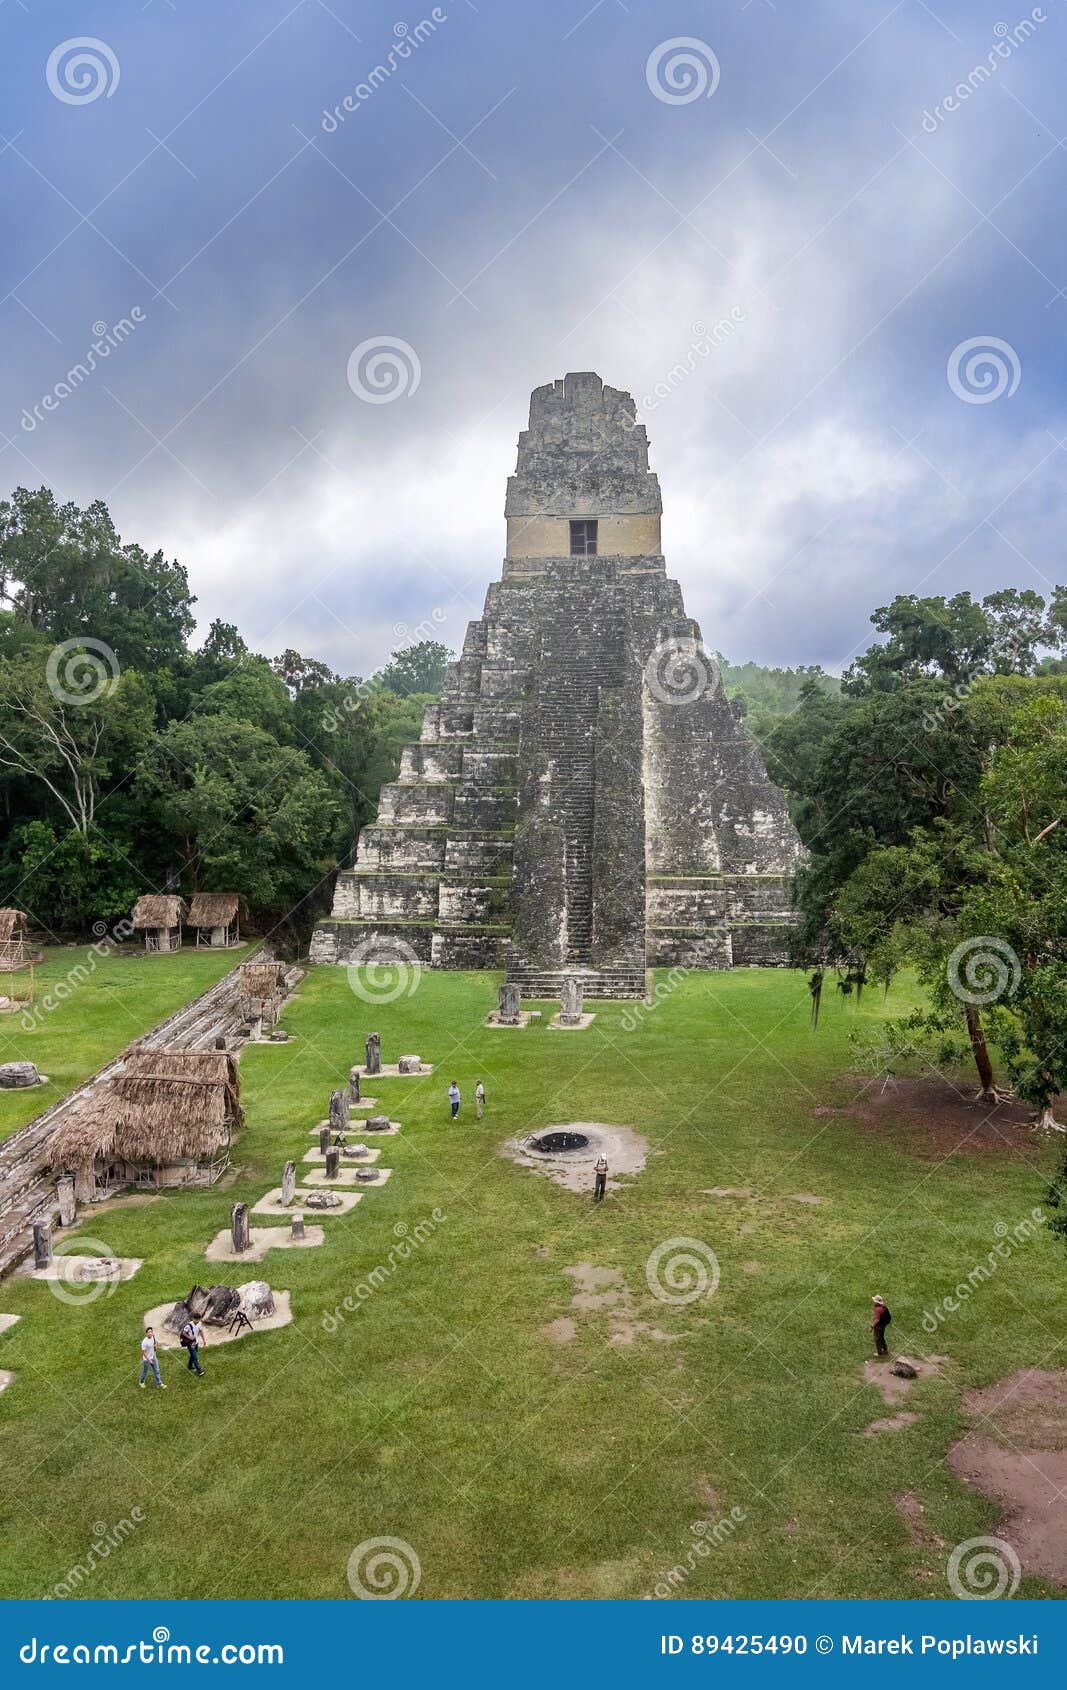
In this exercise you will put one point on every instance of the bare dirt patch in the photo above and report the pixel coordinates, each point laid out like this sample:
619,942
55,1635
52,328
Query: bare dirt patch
932,1119
913,1515
894,1423
1028,1411
893,1388
604,1291
561,1331
1030,1407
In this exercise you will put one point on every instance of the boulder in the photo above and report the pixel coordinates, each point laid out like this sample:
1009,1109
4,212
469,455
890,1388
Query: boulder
222,1304
101,1267
257,1299
377,1124
904,1370
194,1304
409,1065
13,1074
323,1200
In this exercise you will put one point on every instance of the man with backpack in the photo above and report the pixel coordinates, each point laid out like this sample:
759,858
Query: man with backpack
191,1337
879,1321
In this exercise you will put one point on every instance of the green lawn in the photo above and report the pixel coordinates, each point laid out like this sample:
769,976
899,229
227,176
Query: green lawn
87,1008
439,1413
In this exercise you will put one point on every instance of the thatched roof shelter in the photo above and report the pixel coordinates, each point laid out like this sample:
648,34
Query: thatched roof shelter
13,952
214,909
12,924
262,978
159,909
164,1107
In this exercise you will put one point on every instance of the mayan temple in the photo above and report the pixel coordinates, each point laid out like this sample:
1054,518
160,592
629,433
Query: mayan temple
583,801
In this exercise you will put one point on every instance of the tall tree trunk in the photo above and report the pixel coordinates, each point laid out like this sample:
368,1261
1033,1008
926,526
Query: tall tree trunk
988,1093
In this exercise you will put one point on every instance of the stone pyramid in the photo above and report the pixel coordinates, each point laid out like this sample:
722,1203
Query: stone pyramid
583,801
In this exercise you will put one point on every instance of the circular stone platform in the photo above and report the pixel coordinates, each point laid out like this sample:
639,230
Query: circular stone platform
555,1151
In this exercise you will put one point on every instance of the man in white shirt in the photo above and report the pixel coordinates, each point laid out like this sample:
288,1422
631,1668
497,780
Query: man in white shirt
479,1100
453,1098
148,1358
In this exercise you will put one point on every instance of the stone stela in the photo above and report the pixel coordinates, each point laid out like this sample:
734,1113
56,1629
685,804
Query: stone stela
239,1228
68,1207
584,803
570,1003
288,1182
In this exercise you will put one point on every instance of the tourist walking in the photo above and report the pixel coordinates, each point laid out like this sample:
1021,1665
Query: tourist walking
453,1098
192,1336
600,1170
880,1318
479,1100
148,1358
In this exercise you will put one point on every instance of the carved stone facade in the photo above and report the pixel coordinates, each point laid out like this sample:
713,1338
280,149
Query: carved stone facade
583,801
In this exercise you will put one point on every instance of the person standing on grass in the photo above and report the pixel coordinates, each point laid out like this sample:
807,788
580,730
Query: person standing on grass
479,1100
880,1318
453,1098
600,1170
192,1336
148,1358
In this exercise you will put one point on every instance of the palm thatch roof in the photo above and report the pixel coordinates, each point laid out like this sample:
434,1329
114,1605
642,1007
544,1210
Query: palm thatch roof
214,909
262,978
159,909
164,1106
12,924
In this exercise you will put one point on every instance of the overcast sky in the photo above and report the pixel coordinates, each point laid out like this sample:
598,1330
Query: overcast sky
522,189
